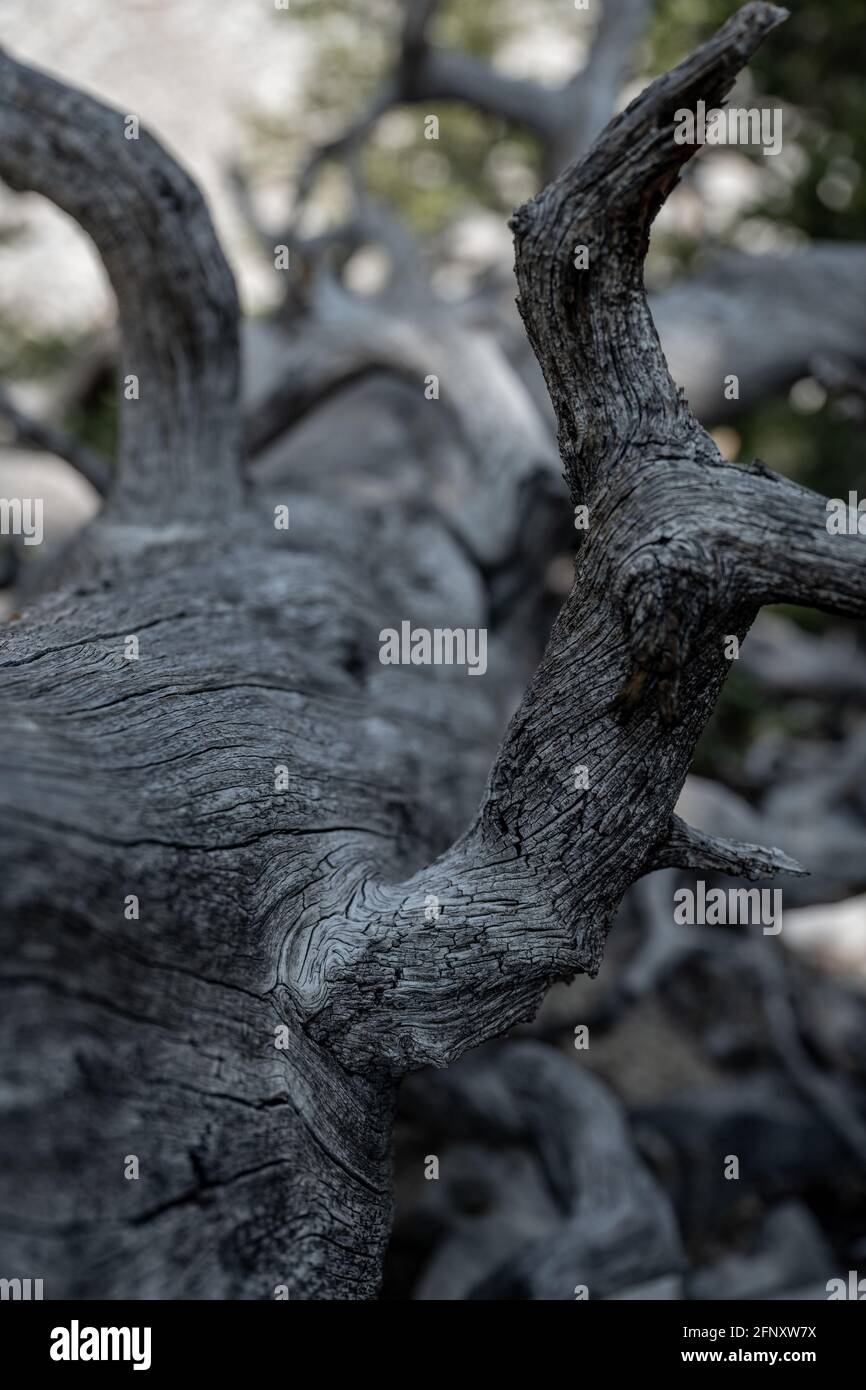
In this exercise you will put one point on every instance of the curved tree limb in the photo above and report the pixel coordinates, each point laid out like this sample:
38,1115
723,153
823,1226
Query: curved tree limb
280,804
180,436
683,549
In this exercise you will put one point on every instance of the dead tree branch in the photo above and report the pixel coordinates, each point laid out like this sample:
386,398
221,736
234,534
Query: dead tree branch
179,425
274,805
683,548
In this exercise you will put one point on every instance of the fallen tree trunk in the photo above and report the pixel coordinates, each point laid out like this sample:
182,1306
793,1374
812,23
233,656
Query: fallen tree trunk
235,913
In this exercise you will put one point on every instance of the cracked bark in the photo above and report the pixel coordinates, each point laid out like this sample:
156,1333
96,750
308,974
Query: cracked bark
306,908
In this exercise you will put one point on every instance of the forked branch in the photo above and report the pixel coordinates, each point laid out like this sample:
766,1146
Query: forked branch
681,550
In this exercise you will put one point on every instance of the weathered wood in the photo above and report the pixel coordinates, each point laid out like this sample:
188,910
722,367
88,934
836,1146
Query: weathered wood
304,903
180,437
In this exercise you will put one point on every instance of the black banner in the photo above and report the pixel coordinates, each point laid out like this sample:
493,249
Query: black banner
163,1339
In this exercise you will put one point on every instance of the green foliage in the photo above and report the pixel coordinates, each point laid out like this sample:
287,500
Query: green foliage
735,722
26,355
812,65
30,355
743,715
823,450
429,183
97,424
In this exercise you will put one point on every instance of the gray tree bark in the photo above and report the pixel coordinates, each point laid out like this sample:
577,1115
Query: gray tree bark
295,910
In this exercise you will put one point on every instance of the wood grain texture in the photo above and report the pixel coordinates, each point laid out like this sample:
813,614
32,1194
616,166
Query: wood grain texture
307,906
